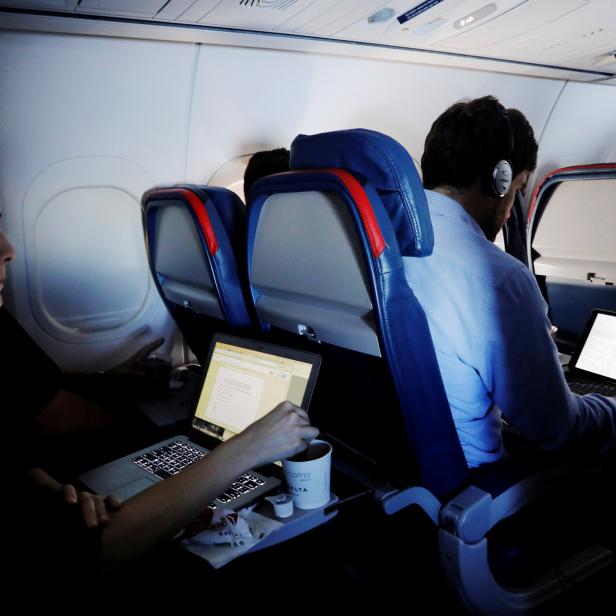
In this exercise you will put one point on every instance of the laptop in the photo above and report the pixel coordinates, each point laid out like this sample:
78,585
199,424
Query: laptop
592,368
242,381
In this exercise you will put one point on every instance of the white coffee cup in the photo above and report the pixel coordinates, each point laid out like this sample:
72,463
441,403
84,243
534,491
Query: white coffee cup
308,475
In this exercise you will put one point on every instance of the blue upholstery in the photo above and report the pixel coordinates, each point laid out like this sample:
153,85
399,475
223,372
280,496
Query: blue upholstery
402,328
368,176
367,154
216,240
226,213
231,212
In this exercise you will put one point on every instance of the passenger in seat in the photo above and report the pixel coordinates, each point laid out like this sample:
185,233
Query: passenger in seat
486,314
48,409
54,526
264,163
159,513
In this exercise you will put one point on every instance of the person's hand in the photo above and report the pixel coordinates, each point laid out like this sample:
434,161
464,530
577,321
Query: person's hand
131,365
94,509
282,433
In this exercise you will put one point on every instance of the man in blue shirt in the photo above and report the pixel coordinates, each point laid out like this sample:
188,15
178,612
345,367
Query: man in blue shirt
486,314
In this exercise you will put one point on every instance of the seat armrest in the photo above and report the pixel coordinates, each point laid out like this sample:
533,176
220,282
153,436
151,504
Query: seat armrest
472,513
396,500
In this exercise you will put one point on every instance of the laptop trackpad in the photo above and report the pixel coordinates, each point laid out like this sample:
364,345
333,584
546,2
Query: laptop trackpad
130,489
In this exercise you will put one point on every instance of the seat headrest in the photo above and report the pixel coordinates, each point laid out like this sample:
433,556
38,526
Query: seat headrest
373,157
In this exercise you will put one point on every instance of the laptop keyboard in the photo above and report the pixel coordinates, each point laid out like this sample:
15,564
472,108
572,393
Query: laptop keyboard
170,459
579,387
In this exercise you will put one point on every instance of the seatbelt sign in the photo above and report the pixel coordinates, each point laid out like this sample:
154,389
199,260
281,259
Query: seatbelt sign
417,10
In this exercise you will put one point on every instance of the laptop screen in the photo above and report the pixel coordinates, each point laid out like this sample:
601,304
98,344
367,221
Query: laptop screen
245,380
597,352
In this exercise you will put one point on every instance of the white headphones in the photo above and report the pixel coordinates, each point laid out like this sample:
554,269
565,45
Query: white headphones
502,174
502,178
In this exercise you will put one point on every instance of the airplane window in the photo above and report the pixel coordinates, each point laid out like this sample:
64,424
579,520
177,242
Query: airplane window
90,264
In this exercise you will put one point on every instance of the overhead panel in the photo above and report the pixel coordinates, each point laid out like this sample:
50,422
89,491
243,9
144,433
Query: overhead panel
175,8
197,10
308,14
448,19
361,12
381,25
332,17
580,35
122,8
573,34
505,26
254,14
53,5
421,24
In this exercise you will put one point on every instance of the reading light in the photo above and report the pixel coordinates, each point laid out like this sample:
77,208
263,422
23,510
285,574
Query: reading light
471,18
381,16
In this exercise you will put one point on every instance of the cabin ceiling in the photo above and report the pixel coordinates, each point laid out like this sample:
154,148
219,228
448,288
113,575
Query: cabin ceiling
570,34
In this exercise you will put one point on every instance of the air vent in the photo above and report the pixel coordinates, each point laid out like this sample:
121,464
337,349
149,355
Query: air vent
268,4
561,44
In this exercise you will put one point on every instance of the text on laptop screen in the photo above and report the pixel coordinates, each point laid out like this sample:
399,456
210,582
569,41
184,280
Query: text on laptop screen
242,385
599,352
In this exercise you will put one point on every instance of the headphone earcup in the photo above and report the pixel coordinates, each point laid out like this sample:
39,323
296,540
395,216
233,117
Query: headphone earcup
502,176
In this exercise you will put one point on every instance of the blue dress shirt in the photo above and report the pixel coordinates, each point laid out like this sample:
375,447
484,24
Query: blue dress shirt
491,333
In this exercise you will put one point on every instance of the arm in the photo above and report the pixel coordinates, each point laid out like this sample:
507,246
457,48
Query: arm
523,374
159,513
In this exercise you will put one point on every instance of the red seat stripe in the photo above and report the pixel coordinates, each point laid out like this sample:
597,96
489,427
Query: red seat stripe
362,203
200,212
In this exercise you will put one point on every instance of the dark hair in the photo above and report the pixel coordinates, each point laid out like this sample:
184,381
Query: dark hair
265,163
469,138
524,153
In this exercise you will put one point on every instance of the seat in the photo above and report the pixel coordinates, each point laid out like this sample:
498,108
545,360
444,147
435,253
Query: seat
325,249
324,263
572,249
194,235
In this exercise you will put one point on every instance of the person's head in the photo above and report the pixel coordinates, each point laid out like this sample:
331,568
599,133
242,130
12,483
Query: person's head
265,163
464,150
7,253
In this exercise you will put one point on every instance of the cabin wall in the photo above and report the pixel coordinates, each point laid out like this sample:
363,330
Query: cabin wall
581,128
89,123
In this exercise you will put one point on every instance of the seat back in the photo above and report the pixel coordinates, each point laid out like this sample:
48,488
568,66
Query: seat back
325,247
194,235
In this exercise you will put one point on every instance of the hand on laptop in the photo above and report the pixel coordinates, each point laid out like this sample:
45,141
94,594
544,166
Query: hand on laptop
282,433
94,509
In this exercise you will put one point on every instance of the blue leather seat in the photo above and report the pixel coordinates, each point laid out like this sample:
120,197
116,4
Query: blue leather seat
325,243
194,235
325,248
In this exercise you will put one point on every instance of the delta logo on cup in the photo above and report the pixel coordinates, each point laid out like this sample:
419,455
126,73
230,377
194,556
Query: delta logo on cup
308,475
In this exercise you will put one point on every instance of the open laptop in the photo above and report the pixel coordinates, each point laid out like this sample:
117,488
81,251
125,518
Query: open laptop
242,381
592,368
